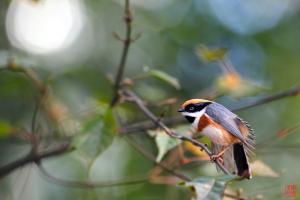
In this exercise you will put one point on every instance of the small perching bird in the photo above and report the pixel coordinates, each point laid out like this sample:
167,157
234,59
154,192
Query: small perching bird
232,138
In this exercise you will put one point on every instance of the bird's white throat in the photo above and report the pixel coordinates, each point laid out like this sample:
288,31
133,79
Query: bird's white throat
197,116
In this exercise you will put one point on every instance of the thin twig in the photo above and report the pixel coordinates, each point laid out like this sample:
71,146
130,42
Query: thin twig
34,158
134,98
175,120
118,80
28,72
294,91
152,158
90,184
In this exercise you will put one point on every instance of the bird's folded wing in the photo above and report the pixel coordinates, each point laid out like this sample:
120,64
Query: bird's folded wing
225,118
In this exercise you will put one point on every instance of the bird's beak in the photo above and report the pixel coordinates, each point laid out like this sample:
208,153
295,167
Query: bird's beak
180,110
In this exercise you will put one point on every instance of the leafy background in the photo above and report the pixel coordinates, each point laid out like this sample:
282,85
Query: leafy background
261,41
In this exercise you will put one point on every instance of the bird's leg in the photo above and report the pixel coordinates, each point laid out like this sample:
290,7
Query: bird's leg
216,156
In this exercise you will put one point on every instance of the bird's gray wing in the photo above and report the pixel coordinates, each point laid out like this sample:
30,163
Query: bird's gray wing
225,118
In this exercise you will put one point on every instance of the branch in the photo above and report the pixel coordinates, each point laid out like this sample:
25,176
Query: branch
89,184
175,120
34,158
130,96
29,73
148,124
294,91
128,20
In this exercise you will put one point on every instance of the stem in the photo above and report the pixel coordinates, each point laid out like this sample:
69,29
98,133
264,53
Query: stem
128,20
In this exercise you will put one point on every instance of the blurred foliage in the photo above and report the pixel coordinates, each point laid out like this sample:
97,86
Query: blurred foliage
164,143
211,54
251,50
208,188
5,129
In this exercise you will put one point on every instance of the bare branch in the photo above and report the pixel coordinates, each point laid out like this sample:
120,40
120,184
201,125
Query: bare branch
294,91
34,158
134,98
175,120
127,41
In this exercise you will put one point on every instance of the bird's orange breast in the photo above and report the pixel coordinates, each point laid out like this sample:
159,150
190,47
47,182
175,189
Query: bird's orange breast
215,131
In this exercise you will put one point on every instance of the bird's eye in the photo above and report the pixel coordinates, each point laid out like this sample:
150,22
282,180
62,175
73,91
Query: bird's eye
192,108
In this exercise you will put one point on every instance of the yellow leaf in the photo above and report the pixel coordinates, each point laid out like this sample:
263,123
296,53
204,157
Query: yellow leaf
194,149
5,129
210,55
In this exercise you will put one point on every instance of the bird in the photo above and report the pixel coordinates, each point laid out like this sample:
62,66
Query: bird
231,137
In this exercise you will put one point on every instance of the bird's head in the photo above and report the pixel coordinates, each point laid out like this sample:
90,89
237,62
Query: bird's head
193,109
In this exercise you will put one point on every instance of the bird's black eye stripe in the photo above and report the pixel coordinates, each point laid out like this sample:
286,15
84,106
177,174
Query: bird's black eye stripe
196,107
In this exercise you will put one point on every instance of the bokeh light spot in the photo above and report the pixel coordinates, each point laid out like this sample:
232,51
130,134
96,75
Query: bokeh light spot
247,17
44,26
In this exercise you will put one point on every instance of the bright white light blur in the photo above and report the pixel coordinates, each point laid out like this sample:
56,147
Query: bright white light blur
44,26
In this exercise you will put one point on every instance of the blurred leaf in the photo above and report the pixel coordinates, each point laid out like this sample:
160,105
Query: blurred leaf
194,149
5,129
98,133
208,187
186,130
163,142
211,54
234,85
260,168
165,77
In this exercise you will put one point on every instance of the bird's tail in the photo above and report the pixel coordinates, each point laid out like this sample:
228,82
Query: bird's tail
241,160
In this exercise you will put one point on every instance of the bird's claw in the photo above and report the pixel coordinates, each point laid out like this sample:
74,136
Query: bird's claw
213,158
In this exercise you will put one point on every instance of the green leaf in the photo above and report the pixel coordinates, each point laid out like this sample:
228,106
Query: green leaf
208,187
210,54
164,143
5,129
165,77
98,133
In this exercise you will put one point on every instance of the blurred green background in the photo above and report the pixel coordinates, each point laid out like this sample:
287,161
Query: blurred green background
70,46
